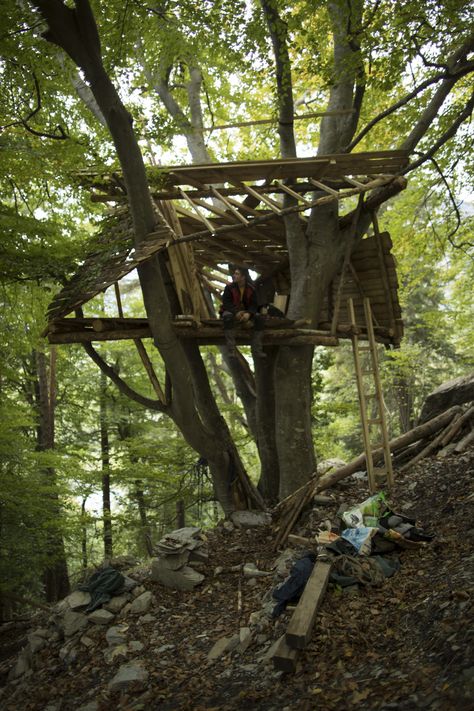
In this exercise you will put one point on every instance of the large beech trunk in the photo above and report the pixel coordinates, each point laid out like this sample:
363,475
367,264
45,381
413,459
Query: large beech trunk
191,406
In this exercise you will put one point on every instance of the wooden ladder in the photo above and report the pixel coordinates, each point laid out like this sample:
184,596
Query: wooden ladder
370,371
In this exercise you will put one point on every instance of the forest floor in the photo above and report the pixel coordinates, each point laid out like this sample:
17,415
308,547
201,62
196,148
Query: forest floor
403,646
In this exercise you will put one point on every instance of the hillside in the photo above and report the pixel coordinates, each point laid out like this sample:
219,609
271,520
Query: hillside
405,644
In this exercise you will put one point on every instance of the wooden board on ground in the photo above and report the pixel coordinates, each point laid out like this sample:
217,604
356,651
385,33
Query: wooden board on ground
285,657
301,624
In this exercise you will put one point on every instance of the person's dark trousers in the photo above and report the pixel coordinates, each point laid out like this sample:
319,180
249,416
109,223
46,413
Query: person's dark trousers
229,333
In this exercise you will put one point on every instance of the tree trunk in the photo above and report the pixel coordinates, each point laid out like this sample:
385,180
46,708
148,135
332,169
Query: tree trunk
105,461
55,576
84,534
75,30
145,526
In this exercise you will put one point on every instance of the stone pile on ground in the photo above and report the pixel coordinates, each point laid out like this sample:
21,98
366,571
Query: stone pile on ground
174,554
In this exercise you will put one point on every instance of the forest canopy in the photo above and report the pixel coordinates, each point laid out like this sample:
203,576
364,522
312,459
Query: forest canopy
126,89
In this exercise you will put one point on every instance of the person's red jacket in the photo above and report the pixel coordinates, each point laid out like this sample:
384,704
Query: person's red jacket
232,301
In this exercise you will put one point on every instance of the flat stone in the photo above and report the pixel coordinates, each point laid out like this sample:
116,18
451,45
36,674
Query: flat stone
78,599
68,652
175,561
250,519
222,646
23,664
87,641
131,673
36,643
185,579
142,603
250,570
111,654
327,465
129,584
101,617
453,392
91,706
73,622
125,611
139,590
135,645
42,632
116,635
245,639
146,619
116,603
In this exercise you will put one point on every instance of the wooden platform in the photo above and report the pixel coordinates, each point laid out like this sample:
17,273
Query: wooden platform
210,216
209,332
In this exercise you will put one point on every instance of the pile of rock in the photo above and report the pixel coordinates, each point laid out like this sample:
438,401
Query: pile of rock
70,628
174,553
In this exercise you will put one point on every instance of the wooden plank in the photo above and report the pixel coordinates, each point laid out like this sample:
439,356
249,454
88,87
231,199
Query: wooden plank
301,624
284,657
333,164
362,400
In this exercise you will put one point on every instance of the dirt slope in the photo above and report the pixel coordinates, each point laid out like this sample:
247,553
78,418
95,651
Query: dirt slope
403,646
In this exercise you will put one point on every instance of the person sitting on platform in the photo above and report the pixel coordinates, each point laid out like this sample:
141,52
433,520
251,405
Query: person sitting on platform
239,305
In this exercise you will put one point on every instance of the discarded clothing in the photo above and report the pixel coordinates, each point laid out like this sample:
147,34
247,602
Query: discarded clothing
292,588
405,526
341,547
102,585
348,570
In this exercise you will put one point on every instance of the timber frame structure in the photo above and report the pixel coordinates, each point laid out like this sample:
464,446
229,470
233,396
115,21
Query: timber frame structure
231,213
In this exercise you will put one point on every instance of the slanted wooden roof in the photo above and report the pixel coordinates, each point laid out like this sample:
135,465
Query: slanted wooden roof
230,213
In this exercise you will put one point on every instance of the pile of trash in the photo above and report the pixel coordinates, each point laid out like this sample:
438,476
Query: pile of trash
363,548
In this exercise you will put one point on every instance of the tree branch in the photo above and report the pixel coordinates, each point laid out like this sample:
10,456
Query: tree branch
121,384
451,74
278,33
449,133
24,121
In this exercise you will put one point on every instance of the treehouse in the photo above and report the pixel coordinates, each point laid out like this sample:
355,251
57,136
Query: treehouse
214,215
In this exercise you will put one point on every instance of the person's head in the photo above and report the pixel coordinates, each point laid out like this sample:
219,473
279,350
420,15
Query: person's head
240,276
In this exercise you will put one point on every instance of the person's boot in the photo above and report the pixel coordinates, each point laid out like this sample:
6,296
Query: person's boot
229,335
256,345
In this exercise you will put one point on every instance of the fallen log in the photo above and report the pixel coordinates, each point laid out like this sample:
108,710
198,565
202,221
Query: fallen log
464,442
457,426
293,504
431,446
420,432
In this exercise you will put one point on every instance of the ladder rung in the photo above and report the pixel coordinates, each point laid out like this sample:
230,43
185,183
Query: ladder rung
374,421
370,395
364,348
367,372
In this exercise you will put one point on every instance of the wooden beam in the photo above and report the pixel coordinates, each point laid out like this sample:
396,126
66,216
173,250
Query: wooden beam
284,657
301,624
296,117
